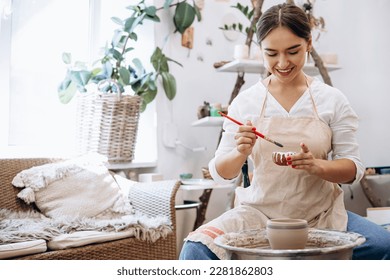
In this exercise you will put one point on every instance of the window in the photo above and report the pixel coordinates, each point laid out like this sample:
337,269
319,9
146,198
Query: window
33,37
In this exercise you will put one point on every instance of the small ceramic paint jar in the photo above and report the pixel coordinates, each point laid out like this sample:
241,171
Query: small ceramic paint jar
280,158
285,233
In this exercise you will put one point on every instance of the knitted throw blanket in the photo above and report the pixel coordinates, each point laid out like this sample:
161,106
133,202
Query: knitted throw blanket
26,226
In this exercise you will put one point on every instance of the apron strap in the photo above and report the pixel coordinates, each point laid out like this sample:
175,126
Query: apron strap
262,110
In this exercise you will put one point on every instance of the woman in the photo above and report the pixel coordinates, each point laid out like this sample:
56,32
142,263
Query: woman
307,117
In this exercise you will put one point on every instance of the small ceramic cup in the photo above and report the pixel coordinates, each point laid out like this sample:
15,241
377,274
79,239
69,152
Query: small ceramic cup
284,233
280,158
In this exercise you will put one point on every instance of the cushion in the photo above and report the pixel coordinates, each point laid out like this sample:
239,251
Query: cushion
81,238
22,248
80,187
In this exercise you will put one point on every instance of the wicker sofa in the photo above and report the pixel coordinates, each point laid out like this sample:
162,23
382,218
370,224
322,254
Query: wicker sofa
122,249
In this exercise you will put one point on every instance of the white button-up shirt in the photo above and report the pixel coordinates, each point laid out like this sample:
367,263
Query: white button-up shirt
332,106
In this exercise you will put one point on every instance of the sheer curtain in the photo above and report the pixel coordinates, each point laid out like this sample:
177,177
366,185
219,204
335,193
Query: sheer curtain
38,124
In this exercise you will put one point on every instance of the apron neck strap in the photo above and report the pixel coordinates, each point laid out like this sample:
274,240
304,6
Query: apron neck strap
262,112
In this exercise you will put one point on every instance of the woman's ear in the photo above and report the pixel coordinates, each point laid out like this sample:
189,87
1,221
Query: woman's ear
309,45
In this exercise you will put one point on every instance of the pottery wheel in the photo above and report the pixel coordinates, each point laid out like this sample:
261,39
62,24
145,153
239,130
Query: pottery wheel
321,244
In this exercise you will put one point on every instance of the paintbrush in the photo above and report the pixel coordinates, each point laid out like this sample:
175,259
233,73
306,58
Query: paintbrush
255,131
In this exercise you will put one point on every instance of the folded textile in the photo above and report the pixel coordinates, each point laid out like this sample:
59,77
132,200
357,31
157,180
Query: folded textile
24,226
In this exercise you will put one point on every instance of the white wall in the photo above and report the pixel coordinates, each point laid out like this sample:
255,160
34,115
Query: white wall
356,31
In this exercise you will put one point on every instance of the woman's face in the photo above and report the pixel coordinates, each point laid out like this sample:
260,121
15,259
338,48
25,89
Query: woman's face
284,53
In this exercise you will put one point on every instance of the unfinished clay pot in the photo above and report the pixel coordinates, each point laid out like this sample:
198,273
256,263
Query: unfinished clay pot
287,233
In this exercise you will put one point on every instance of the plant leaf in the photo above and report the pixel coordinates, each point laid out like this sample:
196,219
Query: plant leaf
67,93
67,58
117,20
184,16
155,18
159,61
143,106
197,12
150,11
116,54
129,24
245,11
156,57
149,95
133,36
138,65
80,78
132,23
118,39
178,63
169,84
107,69
124,75
167,3
250,15
128,49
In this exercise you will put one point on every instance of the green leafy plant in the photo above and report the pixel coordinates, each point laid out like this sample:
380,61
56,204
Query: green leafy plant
248,13
113,72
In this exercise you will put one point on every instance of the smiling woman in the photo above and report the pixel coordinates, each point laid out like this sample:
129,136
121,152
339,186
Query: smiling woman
33,38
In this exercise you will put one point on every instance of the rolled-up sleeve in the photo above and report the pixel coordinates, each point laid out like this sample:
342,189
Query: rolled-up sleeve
344,125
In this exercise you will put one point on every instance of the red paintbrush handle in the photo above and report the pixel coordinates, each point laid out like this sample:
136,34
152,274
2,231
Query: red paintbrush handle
230,118
254,131
239,123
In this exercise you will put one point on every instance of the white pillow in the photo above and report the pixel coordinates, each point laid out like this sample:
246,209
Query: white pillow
80,187
82,238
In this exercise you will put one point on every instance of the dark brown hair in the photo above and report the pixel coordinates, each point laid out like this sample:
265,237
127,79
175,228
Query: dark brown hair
287,15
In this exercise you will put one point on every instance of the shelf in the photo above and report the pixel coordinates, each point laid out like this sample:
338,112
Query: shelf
255,66
208,121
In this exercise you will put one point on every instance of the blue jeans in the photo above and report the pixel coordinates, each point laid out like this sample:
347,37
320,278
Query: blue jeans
376,247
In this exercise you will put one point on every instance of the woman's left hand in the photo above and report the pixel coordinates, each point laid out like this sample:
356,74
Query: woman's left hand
337,171
305,161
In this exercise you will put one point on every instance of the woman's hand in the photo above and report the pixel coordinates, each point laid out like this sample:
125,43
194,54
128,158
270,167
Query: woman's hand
337,171
229,165
245,138
305,161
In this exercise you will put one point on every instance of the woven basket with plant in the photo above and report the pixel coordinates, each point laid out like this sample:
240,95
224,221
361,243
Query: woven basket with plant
108,115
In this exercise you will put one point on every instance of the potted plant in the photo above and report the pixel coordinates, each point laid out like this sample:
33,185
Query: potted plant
114,63
113,73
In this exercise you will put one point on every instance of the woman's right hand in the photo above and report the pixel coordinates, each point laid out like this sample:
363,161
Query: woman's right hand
245,138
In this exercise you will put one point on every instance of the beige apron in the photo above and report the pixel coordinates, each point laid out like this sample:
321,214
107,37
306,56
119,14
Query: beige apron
281,191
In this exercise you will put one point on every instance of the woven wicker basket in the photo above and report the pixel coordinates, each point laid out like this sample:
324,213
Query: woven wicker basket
108,124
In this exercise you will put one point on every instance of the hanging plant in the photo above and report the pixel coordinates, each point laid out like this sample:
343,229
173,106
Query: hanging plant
248,13
185,16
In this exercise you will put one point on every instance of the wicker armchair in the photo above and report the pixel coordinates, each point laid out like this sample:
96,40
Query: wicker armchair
124,249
